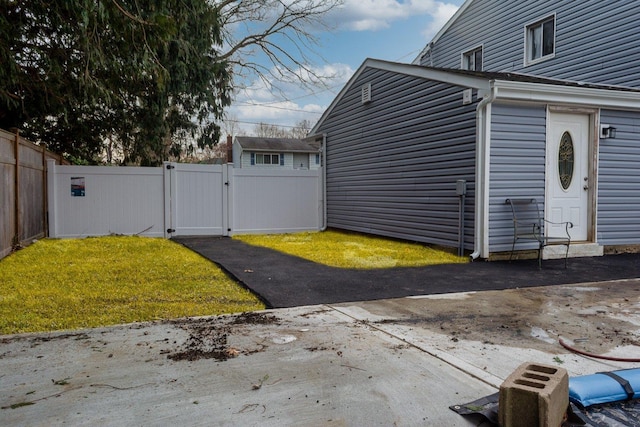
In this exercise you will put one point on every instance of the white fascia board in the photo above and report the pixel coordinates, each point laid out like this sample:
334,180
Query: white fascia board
283,151
440,75
573,95
443,30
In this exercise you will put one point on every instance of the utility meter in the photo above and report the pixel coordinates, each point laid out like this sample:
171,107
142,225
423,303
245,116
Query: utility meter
461,187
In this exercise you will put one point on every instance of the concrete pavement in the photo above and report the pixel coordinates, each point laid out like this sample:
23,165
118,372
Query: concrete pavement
387,362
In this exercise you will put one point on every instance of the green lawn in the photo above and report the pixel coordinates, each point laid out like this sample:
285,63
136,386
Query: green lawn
80,283
352,250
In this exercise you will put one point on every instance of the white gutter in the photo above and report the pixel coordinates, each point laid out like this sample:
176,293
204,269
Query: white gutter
323,165
323,157
559,94
483,137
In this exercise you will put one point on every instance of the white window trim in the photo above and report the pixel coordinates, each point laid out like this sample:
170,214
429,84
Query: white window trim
267,164
528,61
468,51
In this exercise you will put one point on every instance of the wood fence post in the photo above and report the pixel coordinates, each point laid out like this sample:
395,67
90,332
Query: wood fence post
17,231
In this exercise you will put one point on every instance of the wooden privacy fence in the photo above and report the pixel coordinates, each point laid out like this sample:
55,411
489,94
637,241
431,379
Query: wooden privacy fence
23,190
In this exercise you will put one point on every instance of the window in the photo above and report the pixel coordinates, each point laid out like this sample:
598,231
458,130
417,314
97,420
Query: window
565,160
267,159
540,40
472,60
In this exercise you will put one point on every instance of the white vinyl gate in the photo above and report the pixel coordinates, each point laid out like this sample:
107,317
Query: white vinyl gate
181,200
196,203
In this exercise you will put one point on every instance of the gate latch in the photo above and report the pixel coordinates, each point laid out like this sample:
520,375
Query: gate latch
171,230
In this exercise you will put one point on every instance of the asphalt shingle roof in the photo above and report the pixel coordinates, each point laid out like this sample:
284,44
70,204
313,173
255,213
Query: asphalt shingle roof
290,145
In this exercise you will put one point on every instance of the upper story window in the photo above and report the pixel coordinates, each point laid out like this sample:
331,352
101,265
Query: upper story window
540,40
472,60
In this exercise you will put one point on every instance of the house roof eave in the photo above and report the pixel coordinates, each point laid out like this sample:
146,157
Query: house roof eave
274,150
339,96
276,145
602,97
510,86
442,75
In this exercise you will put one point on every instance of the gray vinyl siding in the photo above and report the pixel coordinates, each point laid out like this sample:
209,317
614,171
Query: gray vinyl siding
518,143
619,180
596,41
392,165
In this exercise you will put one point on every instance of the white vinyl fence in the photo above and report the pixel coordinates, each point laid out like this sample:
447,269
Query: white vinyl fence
181,199
266,201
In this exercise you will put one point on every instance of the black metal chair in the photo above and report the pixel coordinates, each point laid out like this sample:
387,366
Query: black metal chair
529,223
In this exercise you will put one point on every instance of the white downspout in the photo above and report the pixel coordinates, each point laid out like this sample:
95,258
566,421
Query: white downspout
323,158
482,158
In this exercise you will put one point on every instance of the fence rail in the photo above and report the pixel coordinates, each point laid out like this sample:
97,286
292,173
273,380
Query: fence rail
23,190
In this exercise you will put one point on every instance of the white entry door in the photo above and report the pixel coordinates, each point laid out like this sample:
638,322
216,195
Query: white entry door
567,174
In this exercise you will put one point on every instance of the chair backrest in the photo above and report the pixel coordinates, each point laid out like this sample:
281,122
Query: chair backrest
526,215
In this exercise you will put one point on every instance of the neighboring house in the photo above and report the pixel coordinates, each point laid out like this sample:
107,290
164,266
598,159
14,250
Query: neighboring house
287,153
398,137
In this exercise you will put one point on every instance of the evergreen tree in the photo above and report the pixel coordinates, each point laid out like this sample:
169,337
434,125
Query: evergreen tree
141,80
142,72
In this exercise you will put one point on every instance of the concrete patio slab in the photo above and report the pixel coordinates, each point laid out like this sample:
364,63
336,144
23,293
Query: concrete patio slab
302,366
388,362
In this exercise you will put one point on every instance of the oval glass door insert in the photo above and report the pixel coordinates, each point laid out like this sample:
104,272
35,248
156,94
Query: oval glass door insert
566,157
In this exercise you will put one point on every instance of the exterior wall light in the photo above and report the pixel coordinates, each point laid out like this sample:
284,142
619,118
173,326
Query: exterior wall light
607,132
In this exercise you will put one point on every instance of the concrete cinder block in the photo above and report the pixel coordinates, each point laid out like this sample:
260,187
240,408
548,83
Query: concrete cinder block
534,395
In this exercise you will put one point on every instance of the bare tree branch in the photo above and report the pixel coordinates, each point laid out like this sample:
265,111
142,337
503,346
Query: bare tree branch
282,31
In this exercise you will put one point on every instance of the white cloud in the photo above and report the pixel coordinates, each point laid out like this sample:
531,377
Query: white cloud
372,15
267,89
441,16
286,104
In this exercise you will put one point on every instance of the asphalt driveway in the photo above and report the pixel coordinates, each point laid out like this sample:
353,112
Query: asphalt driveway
286,281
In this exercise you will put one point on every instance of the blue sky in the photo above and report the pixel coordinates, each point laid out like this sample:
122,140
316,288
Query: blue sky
395,30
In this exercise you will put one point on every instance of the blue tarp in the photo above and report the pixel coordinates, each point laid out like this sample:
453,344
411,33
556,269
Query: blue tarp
597,400
599,388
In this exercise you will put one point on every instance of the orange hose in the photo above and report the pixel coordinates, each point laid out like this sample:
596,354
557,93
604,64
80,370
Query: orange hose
596,356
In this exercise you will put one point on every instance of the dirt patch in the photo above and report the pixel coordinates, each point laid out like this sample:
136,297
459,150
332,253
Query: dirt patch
314,313
597,318
253,318
209,338
205,343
